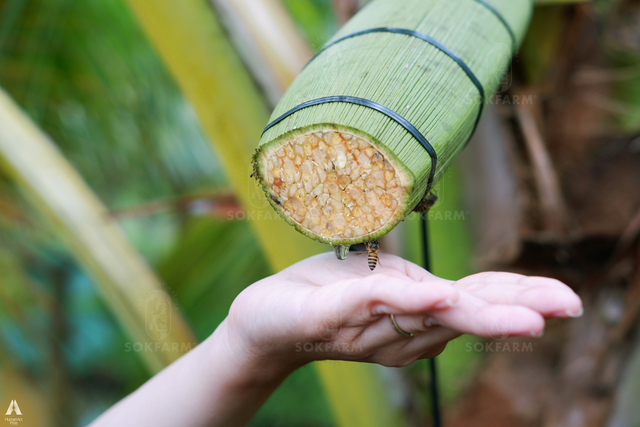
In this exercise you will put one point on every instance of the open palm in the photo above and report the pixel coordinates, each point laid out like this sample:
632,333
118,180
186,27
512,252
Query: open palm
322,308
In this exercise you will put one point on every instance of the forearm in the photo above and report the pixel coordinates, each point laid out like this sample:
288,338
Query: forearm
212,385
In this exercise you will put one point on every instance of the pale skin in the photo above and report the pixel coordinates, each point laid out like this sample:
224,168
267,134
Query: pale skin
322,308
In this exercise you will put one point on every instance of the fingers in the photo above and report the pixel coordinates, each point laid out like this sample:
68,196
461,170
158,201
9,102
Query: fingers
382,332
403,351
382,294
431,344
418,307
476,316
415,324
549,297
471,315
433,352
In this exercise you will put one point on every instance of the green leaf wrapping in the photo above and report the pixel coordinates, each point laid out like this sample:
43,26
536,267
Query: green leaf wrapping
411,77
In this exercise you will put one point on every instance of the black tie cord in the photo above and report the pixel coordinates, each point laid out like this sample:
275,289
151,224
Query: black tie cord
504,22
437,420
434,392
424,37
374,106
409,127
389,112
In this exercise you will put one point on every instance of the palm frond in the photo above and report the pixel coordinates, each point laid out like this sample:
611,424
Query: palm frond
59,192
267,41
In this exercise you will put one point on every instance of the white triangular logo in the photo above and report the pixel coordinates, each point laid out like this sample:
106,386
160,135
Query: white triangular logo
13,406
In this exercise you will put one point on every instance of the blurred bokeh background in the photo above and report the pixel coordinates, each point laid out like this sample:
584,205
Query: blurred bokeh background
127,232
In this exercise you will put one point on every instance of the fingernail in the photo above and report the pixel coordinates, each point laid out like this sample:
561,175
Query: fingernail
432,321
446,304
380,309
575,314
537,334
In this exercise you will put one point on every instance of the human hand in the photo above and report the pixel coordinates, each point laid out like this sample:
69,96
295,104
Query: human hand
322,308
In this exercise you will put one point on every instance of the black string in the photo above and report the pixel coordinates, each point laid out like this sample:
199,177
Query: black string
374,106
498,15
435,395
428,39
435,400
433,372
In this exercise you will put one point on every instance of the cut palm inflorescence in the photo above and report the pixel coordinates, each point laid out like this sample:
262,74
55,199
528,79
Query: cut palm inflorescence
375,119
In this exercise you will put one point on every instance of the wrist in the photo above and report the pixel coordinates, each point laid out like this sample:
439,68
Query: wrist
233,358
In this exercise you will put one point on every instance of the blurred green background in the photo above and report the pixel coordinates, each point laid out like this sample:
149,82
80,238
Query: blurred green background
90,77
87,75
